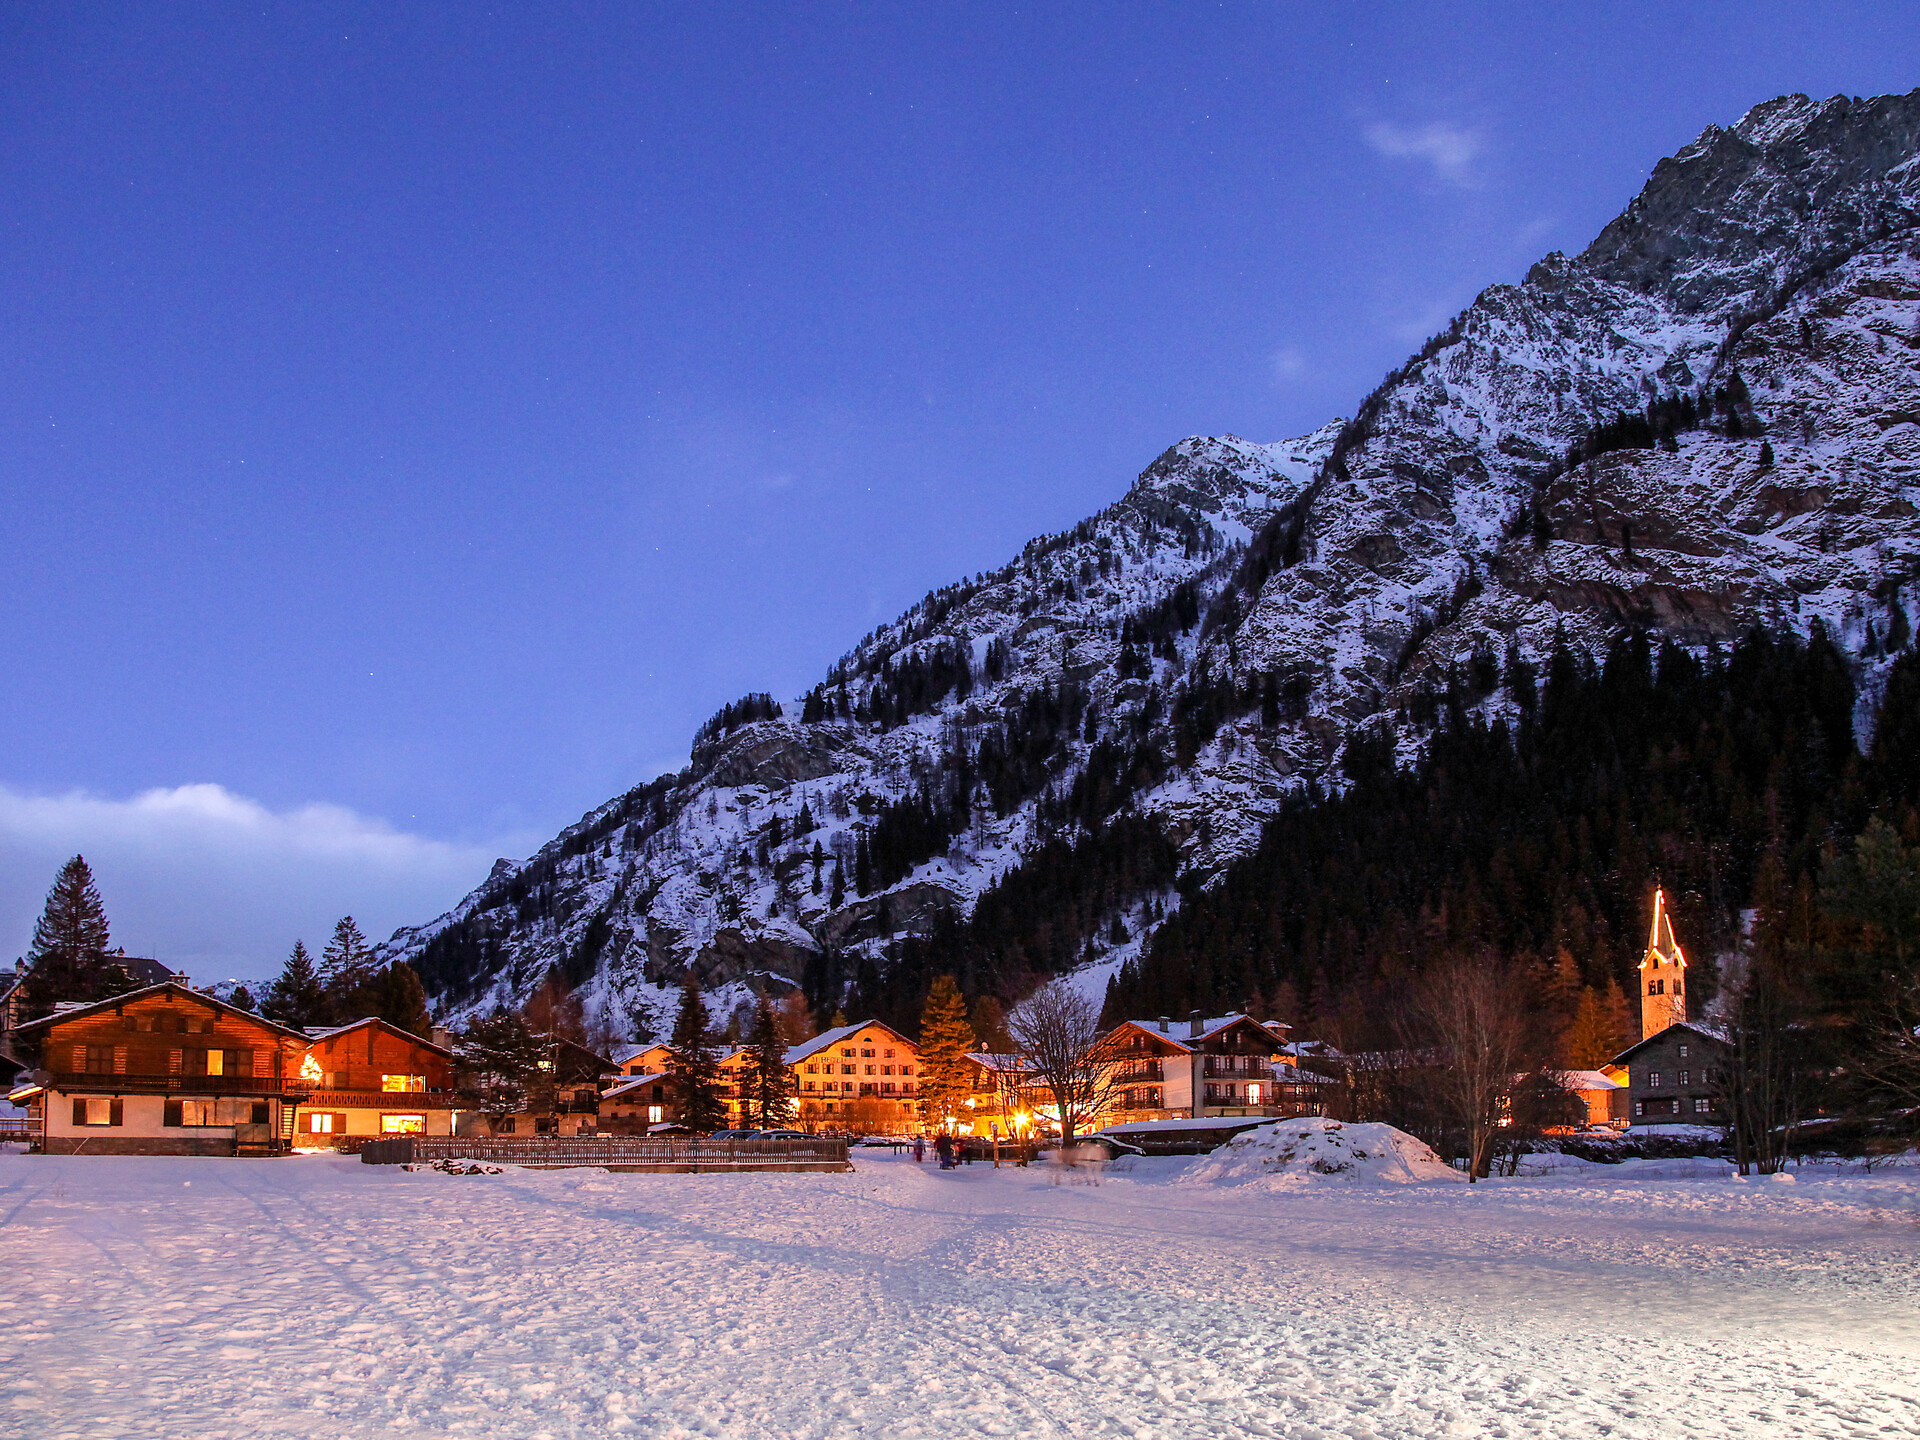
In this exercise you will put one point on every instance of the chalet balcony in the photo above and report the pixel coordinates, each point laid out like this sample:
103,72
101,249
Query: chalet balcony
1139,1074
1236,1067
292,1088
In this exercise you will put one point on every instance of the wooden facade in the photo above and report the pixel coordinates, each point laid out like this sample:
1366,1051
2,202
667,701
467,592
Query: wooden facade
1185,1070
371,1078
162,1071
1673,1077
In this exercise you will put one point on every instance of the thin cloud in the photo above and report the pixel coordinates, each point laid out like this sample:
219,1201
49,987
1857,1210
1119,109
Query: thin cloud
217,883
1289,366
1452,152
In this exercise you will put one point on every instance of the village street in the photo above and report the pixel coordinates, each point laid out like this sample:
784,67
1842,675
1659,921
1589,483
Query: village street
317,1297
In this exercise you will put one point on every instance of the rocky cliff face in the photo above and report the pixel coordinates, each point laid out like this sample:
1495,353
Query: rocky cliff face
1708,420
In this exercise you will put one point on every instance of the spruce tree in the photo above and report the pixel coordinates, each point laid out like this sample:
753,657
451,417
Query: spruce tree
296,998
1589,1043
499,1061
69,959
767,1083
693,1071
945,1039
348,959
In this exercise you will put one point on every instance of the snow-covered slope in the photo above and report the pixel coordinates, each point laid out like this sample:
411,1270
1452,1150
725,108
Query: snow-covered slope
1206,644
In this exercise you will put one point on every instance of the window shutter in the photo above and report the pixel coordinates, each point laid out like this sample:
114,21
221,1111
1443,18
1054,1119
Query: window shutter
119,1059
79,1112
172,1115
340,1122
174,1059
114,1111
262,1062
79,1059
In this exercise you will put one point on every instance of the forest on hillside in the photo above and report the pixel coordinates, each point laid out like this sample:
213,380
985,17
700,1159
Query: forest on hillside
1536,837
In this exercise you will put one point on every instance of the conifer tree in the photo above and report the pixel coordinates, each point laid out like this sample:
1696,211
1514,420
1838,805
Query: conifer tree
348,959
499,1060
1590,1039
241,998
69,959
767,1083
945,1039
296,998
693,1071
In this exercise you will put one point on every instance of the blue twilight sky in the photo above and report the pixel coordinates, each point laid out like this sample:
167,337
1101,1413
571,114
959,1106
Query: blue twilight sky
414,420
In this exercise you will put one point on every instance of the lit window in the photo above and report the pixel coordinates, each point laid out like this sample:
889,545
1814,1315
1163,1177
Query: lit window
1683,1076
403,1124
320,1124
1702,1107
403,1084
96,1111
1683,1052
1639,1108
216,1062
1653,1079
655,1114
1253,1094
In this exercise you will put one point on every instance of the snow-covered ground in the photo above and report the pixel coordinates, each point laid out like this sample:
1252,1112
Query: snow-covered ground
317,1297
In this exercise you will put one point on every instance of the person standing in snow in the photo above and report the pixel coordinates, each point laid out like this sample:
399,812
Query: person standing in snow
943,1147
920,1149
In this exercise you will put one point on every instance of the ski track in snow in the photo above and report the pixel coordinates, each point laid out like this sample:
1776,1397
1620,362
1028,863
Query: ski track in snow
317,1297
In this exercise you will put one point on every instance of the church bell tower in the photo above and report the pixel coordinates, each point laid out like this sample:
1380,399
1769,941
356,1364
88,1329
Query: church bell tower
1663,975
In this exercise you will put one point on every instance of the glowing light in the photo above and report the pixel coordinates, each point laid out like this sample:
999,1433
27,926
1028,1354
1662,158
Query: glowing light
310,1070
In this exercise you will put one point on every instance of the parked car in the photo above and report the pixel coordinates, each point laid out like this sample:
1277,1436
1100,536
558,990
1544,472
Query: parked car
883,1140
734,1135
783,1135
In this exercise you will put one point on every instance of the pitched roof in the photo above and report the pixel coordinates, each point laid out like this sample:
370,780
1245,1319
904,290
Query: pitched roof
196,995
1705,1032
808,1048
1208,1029
329,1032
632,1082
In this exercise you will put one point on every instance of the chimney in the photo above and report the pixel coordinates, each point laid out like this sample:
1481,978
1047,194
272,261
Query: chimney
1195,1024
442,1036
1164,1022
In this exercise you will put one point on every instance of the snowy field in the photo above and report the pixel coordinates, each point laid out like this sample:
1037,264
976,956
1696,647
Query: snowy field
317,1297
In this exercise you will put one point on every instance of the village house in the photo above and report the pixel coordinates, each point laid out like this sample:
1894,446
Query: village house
650,1059
862,1078
371,1078
137,970
564,1098
1672,1076
634,1104
162,1071
1167,1070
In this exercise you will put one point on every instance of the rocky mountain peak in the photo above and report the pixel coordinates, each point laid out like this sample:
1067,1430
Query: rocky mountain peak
1707,420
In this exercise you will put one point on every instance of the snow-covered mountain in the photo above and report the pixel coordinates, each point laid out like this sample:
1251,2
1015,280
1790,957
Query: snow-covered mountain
1707,420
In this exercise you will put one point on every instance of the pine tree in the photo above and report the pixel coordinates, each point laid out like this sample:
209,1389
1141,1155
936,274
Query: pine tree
348,959
767,1084
693,1071
945,1039
69,959
241,998
499,1061
296,997
394,995
838,895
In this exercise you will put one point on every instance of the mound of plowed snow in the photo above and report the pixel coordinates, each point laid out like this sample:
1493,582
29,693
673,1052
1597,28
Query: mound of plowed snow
1313,1150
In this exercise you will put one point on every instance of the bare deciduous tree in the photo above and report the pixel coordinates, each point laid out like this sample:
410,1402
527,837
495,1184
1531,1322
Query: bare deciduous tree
1474,1010
1057,1031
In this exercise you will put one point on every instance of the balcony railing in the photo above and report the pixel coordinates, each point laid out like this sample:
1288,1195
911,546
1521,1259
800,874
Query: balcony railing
1139,1074
292,1088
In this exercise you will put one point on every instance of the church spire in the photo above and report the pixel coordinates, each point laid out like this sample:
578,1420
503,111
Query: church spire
1663,974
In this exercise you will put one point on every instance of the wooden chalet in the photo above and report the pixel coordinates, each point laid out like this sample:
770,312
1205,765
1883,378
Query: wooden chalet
371,1078
161,1071
634,1104
138,971
1188,1070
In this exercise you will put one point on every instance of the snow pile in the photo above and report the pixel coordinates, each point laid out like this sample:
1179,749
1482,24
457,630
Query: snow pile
1314,1149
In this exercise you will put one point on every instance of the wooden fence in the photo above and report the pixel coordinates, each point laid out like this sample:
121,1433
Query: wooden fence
683,1153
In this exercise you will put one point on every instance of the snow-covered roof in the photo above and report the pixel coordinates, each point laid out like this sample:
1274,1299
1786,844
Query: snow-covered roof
1588,1080
328,1032
1205,1122
986,1060
1180,1032
826,1038
632,1082
628,1052
1703,1030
